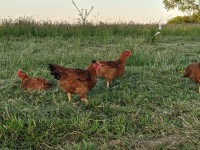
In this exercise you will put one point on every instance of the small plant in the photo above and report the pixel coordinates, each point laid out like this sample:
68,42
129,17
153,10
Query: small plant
151,34
83,14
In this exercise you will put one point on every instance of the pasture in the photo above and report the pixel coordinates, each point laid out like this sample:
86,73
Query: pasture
151,107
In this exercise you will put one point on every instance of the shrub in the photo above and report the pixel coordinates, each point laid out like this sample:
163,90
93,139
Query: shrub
194,18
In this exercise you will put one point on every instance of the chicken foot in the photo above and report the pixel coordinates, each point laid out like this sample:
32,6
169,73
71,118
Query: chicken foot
84,100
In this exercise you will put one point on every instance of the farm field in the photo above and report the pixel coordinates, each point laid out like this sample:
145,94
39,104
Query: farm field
151,107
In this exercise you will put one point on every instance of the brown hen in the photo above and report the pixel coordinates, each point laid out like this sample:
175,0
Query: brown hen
193,72
33,83
112,69
76,81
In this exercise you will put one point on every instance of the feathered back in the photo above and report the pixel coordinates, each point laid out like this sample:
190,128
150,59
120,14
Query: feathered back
193,72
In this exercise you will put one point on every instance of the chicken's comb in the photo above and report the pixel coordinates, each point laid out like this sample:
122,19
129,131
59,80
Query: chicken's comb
128,50
20,71
96,63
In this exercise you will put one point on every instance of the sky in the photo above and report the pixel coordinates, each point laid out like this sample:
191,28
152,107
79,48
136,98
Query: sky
138,11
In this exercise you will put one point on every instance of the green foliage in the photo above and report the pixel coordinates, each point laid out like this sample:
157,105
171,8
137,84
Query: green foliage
150,34
29,28
150,102
195,18
183,5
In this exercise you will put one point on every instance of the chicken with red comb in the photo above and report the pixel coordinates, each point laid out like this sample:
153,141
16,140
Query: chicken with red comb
113,69
33,83
76,81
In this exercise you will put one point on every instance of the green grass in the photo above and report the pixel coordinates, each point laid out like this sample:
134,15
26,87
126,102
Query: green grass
144,108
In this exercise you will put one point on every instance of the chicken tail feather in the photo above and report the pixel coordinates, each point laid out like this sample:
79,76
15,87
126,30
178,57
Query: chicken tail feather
55,70
48,85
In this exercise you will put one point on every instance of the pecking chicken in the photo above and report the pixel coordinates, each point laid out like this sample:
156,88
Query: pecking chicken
33,83
76,81
193,72
112,69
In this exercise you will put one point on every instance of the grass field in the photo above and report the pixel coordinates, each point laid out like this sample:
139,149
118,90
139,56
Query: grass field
151,107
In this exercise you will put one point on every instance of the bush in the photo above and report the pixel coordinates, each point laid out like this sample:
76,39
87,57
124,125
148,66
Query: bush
194,18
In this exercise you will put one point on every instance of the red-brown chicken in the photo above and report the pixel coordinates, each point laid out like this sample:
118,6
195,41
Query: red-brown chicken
76,81
112,69
193,72
33,83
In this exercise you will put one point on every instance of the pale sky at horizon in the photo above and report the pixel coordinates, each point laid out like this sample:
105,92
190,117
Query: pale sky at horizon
138,11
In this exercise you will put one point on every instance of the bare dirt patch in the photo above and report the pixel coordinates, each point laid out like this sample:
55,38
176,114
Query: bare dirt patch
168,141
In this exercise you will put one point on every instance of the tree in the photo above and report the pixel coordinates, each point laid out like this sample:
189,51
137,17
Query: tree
188,6
83,15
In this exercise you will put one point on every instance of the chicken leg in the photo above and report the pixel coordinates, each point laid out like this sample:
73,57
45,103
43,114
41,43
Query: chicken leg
199,88
69,95
108,83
